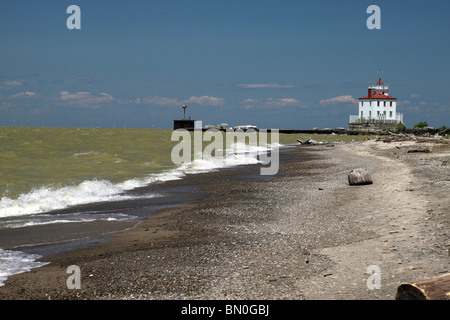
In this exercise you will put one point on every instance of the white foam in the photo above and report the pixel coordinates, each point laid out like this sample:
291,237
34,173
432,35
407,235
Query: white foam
39,219
14,262
46,199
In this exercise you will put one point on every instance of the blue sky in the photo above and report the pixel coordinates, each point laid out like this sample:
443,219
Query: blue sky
275,64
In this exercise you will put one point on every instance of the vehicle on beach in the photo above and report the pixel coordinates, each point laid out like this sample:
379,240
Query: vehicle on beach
245,127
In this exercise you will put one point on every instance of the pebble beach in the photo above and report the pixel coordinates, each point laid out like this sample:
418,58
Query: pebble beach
304,234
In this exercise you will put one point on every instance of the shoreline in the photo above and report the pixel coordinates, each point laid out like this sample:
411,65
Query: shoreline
304,234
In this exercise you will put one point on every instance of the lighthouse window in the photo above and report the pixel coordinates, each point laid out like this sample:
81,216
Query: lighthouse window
378,103
391,103
390,114
361,103
361,114
384,104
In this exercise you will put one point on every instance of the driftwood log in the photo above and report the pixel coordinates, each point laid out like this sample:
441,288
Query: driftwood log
422,150
359,176
437,288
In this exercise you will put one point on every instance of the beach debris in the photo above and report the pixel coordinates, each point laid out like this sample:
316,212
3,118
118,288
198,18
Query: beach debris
437,288
359,176
399,137
312,142
422,150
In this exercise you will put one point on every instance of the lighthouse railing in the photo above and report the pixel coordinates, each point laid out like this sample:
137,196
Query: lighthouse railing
359,119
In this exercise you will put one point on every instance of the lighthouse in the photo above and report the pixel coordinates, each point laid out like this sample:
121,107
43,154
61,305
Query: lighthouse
377,110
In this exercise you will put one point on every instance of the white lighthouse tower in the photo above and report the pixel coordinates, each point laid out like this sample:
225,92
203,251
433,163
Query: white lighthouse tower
378,107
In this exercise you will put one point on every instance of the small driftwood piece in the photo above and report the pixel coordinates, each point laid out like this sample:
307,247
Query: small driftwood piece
437,288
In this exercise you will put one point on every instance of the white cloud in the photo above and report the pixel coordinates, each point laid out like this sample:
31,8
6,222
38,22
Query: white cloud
413,109
269,103
415,95
23,94
264,85
165,101
339,99
13,83
17,99
206,101
160,101
282,102
85,99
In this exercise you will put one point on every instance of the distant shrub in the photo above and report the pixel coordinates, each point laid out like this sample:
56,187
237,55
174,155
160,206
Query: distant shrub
421,124
401,127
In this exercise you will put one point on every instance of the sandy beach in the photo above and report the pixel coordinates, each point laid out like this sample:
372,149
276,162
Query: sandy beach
304,234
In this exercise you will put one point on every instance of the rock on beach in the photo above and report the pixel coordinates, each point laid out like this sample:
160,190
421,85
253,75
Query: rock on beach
359,176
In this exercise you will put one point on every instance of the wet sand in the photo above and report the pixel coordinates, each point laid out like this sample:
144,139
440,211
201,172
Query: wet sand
303,234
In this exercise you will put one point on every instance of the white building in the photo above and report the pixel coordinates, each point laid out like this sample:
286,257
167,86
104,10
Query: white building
378,106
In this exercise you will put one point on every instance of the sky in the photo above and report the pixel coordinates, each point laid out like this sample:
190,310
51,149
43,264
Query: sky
274,64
